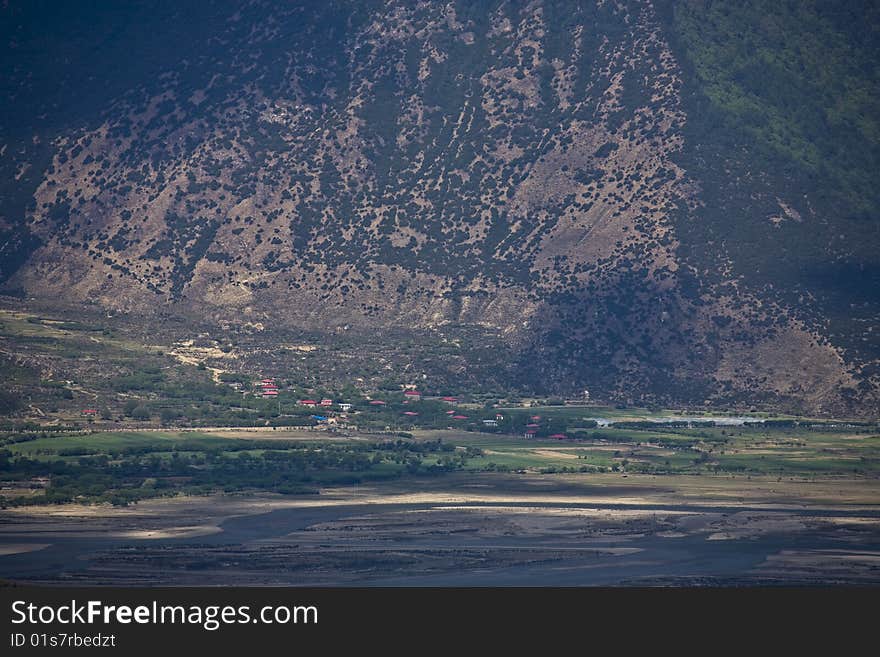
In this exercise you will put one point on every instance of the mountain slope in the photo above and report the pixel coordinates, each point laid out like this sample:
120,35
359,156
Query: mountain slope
538,170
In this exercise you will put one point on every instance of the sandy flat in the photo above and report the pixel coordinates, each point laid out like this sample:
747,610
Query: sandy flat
554,453
634,490
171,532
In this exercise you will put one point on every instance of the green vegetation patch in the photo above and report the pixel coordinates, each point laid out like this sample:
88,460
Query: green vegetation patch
121,467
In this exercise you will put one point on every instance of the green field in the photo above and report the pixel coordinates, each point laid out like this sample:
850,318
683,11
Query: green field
112,441
732,450
123,467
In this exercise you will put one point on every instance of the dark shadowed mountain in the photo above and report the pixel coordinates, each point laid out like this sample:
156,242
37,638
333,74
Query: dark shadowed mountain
668,201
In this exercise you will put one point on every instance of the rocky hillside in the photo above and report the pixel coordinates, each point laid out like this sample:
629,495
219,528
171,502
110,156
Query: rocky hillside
630,196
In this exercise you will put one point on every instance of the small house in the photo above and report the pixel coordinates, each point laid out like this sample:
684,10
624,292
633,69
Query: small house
412,395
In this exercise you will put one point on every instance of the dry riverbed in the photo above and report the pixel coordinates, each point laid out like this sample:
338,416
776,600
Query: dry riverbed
492,529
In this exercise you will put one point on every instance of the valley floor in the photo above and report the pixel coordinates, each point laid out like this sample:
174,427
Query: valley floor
467,529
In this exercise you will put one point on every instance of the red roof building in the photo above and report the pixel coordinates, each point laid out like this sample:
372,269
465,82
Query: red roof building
308,402
377,402
326,402
270,393
531,433
559,436
410,413
415,395
459,417
90,411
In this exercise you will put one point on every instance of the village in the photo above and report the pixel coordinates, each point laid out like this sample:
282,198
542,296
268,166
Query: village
271,402
411,408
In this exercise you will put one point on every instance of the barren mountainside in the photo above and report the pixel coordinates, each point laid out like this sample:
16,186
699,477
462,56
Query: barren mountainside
619,195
